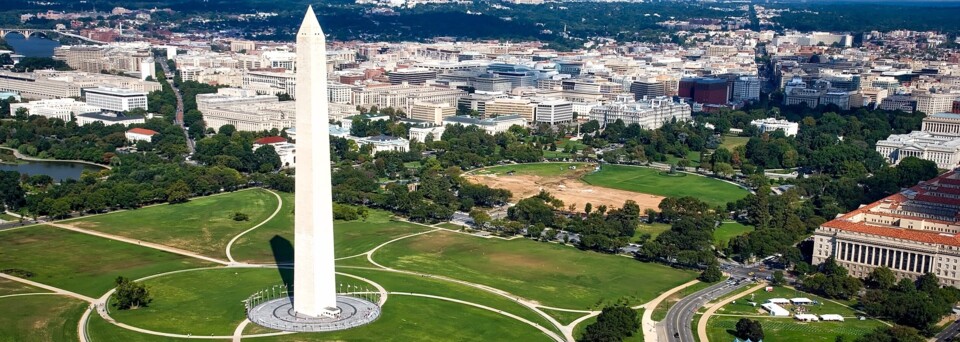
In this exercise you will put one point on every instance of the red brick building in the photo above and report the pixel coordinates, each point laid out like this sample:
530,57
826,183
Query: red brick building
703,90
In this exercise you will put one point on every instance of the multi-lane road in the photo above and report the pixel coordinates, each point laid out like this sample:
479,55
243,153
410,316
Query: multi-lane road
677,326
179,116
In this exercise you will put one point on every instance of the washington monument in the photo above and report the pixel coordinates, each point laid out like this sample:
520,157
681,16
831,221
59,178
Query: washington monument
314,280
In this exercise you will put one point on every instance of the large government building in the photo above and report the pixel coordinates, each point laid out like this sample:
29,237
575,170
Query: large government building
937,141
912,232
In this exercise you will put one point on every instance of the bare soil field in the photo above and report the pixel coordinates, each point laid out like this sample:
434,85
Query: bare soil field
567,187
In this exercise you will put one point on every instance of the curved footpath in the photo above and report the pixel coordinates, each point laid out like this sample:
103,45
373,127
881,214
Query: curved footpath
235,238
702,324
17,155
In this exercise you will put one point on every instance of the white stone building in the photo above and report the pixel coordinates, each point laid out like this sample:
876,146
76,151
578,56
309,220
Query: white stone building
772,124
55,108
491,125
140,134
116,99
554,112
938,141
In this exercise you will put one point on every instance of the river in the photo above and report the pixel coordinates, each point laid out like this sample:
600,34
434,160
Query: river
36,46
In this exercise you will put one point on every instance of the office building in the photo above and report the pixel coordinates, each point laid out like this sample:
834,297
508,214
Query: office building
61,109
647,88
934,102
116,99
513,106
746,88
554,112
702,90
649,114
432,112
937,141
912,232
411,76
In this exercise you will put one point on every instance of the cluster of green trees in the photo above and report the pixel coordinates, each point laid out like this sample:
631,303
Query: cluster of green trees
234,149
689,241
641,145
918,304
471,147
28,64
439,192
832,281
749,329
615,323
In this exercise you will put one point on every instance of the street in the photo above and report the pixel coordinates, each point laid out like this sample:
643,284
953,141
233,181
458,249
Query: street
179,117
678,325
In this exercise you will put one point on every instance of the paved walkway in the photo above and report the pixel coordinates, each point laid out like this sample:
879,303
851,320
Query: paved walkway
49,288
702,324
647,324
235,238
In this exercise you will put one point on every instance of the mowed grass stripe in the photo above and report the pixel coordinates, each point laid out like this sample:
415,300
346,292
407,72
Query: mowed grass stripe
202,225
551,274
82,263
40,318
651,181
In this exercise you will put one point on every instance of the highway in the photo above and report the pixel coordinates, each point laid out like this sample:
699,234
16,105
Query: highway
678,325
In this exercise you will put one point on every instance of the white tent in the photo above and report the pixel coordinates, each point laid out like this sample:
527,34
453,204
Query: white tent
801,301
775,310
832,317
778,301
806,317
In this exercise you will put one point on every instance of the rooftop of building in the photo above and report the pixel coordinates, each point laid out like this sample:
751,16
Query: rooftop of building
111,117
115,91
143,131
936,201
270,140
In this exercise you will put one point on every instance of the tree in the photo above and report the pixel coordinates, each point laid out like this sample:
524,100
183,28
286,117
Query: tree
778,278
178,192
615,323
711,274
881,278
480,218
749,329
130,294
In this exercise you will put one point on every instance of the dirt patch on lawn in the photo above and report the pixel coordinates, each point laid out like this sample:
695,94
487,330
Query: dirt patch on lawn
568,188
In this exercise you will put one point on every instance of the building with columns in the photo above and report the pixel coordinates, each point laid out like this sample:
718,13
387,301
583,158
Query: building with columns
937,141
913,232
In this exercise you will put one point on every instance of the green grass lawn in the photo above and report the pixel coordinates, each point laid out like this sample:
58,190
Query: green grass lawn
398,282
423,319
653,229
730,230
82,263
743,307
731,142
9,287
8,217
350,238
692,156
651,181
204,302
204,225
552,274
788,330
564,317
208,302
100,330
40,318
536,169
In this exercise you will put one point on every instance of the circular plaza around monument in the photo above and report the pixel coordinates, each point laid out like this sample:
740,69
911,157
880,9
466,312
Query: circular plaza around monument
279,314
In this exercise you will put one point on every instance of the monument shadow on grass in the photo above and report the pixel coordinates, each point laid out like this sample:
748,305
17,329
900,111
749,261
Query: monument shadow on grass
283,256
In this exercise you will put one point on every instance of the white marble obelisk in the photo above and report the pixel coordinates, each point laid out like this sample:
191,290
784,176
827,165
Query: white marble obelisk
314,283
